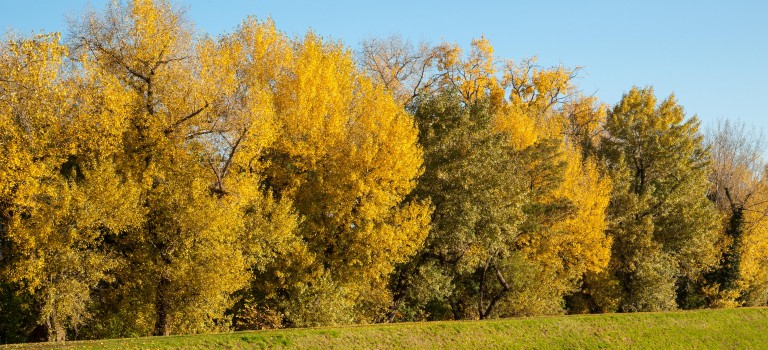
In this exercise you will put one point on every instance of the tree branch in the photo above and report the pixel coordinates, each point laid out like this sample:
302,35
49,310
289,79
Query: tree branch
172,128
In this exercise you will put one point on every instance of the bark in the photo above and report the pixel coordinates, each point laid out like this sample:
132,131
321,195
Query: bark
496,297
162,307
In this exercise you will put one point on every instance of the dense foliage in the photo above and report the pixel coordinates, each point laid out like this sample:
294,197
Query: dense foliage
154,182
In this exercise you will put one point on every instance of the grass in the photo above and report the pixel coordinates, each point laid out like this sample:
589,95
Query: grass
745,328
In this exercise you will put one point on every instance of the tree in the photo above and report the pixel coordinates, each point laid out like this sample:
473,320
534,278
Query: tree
470,179
60,193
547,125
552,129
739,190
556,127
345,156
664,227
187,256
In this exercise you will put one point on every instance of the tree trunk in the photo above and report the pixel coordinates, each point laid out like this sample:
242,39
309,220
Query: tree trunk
729,272
56,330
399,293
458,309
161,307
496,297
481,290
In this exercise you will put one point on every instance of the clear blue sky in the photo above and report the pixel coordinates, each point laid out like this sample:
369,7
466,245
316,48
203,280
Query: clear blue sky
712,54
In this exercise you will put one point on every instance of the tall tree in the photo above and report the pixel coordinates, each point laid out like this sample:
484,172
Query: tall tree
664,227
548,120
739,192
345,155
470,179
562,195
60,193
188,255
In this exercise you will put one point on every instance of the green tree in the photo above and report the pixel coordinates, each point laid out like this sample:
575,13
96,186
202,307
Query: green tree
551,132
664,227
470,178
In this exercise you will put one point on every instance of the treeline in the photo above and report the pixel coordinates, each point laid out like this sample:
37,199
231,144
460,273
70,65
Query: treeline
154,181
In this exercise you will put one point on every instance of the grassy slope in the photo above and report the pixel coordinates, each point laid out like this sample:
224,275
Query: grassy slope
702,329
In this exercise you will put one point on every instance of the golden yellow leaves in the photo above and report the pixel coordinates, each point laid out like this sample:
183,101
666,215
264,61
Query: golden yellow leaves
299,117
474,77
357,141
158,31
582,239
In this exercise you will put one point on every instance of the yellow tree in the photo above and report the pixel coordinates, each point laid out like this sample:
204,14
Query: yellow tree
345,155
61,195
188,256
753,262
739,191
240,127
543,104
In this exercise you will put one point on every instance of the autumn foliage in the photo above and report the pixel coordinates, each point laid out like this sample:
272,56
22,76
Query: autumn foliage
155,182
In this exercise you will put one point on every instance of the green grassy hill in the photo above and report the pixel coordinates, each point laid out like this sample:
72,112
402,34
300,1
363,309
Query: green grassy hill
702,329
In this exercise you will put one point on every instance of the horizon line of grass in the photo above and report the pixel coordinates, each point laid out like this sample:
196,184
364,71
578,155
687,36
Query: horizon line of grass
742,328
